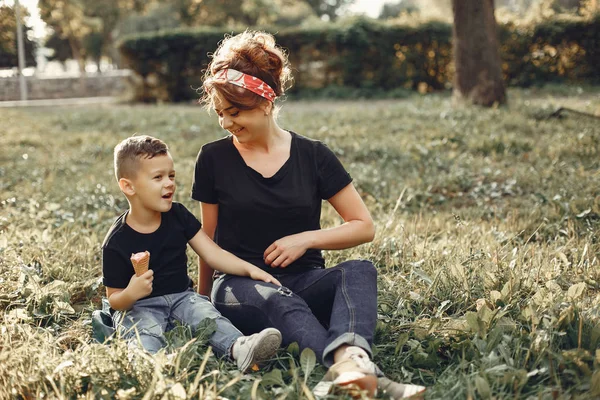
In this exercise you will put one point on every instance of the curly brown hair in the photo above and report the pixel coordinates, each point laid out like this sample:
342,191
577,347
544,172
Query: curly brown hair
254,53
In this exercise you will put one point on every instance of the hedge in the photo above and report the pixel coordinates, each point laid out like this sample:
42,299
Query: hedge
368,54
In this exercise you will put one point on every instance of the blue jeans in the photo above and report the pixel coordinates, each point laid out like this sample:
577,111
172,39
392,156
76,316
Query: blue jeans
152,317
321,309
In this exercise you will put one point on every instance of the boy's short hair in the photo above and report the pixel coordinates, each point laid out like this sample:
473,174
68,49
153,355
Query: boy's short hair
131,150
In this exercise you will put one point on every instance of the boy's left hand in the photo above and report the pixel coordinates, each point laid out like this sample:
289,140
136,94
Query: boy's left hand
259,275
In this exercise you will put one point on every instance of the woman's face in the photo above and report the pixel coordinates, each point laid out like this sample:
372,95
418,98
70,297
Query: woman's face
245,125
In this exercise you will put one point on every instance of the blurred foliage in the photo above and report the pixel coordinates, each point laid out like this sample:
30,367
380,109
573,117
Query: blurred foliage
518,9
392,10
71,21
439,10
370,55
354,53
8,38
61,51
558,48
90,27
328,8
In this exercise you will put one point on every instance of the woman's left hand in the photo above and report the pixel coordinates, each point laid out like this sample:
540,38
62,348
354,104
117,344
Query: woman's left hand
286,250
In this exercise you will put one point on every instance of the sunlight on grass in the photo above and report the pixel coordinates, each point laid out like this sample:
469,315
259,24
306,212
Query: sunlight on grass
487,248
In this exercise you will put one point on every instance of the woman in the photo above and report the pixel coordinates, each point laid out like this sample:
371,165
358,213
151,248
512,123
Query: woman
260,190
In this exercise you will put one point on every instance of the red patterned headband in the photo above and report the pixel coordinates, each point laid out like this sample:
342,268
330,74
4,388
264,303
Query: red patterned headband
252,83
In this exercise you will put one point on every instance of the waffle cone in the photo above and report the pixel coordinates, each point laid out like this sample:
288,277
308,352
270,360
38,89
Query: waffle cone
140,262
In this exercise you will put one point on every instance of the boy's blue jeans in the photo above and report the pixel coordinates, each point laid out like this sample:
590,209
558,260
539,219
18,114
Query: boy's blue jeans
151,318
321,309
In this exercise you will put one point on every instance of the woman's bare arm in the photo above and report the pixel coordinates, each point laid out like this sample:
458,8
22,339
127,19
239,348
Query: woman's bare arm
208,215
358,228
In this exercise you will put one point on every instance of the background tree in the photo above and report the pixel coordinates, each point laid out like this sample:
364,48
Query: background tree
293,13
225,13
159,16
91,27
61,51
569,4
99,42
8,38
392,10
576,5
435,9
167,14
478,76
68,20
329,8
91,30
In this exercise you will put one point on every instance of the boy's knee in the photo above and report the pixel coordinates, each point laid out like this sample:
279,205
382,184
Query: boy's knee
151,330
151,338
197,297
200,303
151,341
197,308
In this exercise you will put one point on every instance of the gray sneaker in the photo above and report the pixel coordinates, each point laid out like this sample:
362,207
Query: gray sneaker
250,350
400,390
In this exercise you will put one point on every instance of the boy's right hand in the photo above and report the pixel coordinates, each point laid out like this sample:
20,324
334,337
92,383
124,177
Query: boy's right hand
141,286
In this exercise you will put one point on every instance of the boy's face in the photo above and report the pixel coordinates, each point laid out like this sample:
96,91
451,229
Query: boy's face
154,183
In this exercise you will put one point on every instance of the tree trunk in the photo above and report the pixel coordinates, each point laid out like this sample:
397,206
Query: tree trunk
478,76
77,54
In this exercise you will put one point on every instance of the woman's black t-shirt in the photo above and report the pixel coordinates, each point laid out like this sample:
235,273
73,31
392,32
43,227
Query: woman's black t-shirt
255,211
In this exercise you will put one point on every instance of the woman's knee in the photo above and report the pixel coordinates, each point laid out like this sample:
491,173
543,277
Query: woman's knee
251,305
363,268
257,299
241,291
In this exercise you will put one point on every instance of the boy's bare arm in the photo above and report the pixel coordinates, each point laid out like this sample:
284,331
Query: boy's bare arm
138,287
226,262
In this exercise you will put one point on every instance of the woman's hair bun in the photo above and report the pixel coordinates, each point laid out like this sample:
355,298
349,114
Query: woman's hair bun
255,53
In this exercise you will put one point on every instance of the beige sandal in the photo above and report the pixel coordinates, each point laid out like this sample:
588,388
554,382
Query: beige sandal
346,376
401,390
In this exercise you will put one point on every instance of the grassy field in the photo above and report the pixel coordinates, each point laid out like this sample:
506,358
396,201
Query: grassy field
487,247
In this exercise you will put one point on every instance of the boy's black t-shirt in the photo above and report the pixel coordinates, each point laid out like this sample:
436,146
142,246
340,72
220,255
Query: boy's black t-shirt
167,246
255,211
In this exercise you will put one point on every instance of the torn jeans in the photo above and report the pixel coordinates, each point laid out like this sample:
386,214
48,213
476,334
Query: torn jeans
151,317
320,309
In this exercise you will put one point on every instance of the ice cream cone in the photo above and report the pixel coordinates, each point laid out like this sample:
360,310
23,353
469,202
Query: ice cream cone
140,262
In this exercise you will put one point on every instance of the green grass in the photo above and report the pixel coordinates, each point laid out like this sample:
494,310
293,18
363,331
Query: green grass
487,247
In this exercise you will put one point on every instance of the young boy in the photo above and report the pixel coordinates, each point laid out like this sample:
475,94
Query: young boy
148,304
